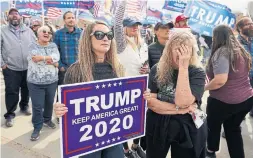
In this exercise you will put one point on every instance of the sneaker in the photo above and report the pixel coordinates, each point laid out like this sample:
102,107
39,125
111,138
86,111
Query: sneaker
139,151
131,154
50,124
35,135
9,122
210,155
223,135
27,112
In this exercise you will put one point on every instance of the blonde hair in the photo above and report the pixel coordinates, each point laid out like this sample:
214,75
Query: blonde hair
164,67
45,27
138,40
87,57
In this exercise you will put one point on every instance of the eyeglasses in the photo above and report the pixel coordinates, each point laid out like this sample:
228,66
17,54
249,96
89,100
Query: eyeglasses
99,35
49,32
248,24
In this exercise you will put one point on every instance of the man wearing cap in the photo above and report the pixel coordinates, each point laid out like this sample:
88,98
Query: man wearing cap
181,22
155,50
15,40
36,24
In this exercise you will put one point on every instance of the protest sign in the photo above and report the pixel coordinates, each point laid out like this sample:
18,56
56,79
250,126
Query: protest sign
29,7
101,114
175,5
205,15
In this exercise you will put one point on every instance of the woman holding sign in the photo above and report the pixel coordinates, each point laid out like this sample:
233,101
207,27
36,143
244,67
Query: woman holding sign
177,85
133,55
97,61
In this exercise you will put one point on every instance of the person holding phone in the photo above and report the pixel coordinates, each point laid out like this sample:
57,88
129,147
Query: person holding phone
133,55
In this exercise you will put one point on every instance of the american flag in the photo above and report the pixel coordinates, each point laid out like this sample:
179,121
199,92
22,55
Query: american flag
53,13
134,8
96,9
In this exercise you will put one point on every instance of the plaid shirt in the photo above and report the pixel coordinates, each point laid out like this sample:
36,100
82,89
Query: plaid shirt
248,46
68,45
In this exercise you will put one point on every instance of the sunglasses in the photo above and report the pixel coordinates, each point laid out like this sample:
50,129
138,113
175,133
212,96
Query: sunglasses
49,32
99,35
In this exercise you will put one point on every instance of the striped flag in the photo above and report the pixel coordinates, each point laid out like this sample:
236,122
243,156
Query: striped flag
134,8
96,9
53,13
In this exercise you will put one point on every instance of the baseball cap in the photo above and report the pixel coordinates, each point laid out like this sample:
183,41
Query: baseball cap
13,9
169,25
181,18
130,22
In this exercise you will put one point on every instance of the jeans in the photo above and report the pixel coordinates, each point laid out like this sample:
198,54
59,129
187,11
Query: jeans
61,76
111,152
231,116
14,81
42,103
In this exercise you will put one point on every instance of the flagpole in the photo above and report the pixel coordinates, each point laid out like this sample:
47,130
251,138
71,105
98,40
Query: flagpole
43,13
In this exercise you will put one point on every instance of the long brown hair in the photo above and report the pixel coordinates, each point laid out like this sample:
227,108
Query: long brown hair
164,67
87,58
223,37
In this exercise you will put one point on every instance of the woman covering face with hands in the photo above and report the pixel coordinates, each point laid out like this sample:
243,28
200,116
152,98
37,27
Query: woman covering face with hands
176,86
97,61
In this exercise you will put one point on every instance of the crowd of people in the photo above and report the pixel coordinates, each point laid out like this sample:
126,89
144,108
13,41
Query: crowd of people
36,60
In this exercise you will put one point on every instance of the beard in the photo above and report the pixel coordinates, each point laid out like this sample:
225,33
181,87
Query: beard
248,32
15,22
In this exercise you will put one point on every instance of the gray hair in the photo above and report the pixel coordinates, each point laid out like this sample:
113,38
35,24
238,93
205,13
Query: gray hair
43,28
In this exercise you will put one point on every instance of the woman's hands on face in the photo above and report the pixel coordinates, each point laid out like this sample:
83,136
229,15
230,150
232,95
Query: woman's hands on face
184,54
60,109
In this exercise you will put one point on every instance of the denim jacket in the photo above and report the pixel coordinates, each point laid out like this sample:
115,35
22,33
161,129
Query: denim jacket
248,45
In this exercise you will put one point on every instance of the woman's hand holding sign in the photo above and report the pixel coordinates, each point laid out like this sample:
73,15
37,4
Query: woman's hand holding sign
60,109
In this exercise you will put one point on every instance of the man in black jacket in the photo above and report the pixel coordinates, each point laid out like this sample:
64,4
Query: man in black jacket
155,49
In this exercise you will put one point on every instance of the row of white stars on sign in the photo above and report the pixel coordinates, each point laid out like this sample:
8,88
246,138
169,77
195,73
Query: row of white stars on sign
68,3
109,85
108,141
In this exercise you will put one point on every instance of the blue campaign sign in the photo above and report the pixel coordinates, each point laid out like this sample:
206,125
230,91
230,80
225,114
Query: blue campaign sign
102,114
205,15
29,7
175,5
87,4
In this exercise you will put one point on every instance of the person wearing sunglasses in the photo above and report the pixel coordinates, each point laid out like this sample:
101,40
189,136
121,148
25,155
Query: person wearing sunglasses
36,24
42,79
133,55
97,60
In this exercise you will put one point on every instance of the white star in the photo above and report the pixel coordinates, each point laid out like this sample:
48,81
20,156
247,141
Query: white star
108,141
103,86
120,83
97,144
109,85
103,143
118,138
113,139
115,84
97,86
